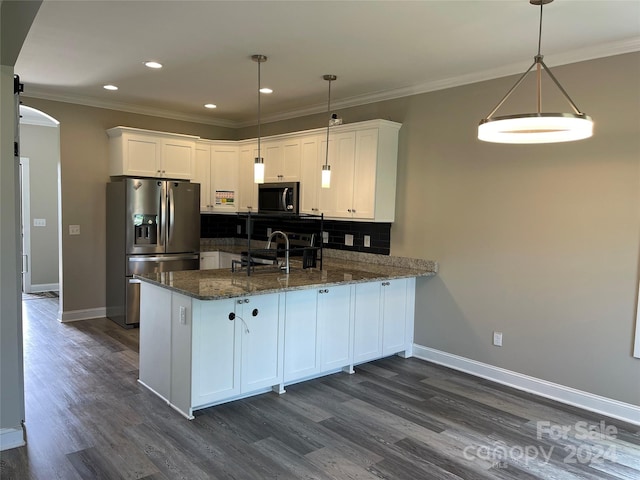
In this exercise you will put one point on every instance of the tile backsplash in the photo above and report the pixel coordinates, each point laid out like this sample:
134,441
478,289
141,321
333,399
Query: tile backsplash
225,226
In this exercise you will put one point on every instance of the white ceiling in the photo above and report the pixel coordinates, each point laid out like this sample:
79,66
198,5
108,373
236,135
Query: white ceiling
378,50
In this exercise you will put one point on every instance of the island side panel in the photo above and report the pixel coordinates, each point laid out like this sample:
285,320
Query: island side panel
181,330
155,339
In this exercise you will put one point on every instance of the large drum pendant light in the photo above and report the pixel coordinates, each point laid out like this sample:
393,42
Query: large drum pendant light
258,166
536,127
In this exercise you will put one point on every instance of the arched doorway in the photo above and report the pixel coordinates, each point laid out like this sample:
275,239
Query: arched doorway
40,200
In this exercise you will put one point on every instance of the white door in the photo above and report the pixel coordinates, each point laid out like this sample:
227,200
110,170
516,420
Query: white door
334,319
25,220
262,340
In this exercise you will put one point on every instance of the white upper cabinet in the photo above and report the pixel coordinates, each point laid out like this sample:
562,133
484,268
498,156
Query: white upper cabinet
363,158
281,159
310,166
248,189
202,175
143,153
216,170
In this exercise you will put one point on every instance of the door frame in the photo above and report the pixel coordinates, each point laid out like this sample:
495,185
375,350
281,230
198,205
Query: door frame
25,220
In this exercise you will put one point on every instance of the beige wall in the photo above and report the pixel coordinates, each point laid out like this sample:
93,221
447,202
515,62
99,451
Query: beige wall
540,242
42,146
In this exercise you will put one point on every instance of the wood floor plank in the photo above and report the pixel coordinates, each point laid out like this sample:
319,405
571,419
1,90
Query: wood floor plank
88,417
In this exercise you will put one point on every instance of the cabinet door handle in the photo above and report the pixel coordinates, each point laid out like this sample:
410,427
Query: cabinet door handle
255,312
232,316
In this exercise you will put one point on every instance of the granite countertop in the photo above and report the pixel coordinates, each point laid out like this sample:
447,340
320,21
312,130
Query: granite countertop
338,269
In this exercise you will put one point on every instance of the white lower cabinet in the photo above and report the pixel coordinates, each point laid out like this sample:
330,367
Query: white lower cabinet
199,353
215,344
383,319
317,332
334,321
209,260
301,338
225,259
237,348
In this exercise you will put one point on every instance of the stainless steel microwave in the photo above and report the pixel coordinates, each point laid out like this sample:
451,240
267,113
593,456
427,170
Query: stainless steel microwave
278,197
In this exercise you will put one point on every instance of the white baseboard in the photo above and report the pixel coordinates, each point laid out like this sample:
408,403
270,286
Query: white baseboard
75,315
45,287
11,438
571,396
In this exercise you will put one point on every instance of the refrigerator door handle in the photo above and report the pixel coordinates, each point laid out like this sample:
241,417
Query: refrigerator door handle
171,216
163,214
161,258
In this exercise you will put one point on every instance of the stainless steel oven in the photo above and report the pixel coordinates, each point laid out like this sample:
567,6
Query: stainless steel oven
278,197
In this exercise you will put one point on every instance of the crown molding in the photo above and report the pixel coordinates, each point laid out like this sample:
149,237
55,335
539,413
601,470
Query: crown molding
574,56
35,92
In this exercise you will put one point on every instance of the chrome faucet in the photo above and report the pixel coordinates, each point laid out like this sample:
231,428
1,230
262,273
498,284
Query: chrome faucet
284,267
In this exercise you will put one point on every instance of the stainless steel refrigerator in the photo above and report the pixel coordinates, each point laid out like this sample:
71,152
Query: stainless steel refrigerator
152,226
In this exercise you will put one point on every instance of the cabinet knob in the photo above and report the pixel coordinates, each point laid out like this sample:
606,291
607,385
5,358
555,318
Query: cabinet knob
255,312
353,211
349,210
239,302
232,316
246,300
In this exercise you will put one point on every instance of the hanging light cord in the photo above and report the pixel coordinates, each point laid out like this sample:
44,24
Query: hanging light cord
326,158
259,109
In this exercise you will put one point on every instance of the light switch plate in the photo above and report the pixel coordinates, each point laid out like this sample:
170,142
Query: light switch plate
39,222
348,240
74,229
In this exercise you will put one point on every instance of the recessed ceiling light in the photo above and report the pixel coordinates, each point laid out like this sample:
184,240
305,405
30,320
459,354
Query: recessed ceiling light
266,90
110,87
210,105
153,64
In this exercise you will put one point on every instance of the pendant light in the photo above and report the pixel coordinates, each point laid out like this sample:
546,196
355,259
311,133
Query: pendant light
258,166
536,127
326,168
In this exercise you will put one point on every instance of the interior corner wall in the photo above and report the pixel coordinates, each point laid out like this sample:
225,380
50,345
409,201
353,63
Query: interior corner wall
84,174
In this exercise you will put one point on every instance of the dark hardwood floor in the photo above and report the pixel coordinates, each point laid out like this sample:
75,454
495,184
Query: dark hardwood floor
88,418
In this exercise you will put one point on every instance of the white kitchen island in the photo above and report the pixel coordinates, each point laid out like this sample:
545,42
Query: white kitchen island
209,337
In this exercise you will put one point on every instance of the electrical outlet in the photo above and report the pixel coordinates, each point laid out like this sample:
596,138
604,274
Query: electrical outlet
497,339
268,231
39,222
74,229
367,241
325,237
239,229
348,240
